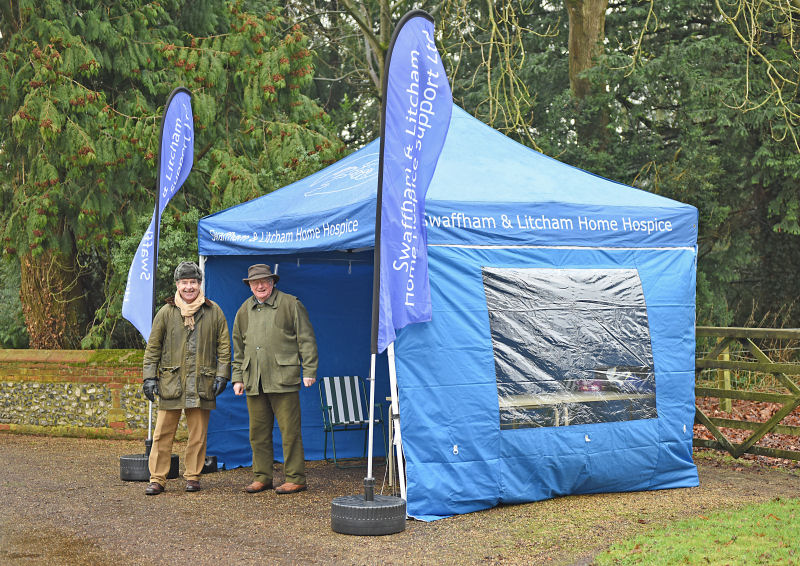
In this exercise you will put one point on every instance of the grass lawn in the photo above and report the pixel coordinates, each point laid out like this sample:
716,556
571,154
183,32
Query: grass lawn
767,533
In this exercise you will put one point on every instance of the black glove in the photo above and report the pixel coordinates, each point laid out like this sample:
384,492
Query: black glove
219,385
150,388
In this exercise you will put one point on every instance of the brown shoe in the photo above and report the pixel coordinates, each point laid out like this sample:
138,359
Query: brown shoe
154,488
193,485
255,487
290,488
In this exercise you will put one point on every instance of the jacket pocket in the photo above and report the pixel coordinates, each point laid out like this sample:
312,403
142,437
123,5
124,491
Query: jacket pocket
169,383
205,383
288,368
287,359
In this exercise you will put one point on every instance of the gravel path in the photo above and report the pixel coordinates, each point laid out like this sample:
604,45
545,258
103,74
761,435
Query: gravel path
62,502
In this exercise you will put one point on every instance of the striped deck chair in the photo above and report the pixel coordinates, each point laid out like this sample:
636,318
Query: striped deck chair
344,407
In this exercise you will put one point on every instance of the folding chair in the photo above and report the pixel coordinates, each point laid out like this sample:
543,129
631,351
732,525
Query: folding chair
344,407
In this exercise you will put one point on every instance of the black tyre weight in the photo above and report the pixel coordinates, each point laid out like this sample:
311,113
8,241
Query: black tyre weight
134,467
353,515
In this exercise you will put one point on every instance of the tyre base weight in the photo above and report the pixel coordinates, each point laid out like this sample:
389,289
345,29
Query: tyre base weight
134,467
353,515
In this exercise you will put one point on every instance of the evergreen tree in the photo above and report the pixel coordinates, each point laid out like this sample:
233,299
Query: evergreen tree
82,90
684,128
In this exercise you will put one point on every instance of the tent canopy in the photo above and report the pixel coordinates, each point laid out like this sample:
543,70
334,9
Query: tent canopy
560,357
487,190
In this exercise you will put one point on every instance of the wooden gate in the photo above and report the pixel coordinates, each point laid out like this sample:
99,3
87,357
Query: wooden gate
736,351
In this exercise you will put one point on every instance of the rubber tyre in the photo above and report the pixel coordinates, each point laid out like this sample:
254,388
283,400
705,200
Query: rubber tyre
352,515
174,464
210,465
134,467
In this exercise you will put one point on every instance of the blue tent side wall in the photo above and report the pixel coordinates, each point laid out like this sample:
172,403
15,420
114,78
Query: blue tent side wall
337,291
459,460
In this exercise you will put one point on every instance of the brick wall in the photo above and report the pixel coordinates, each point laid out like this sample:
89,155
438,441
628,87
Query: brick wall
94,393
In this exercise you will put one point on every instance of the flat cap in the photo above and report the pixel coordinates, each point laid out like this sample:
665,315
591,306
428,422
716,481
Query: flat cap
188,270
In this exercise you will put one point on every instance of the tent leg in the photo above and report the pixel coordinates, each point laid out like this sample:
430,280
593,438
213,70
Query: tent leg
395,424
202,265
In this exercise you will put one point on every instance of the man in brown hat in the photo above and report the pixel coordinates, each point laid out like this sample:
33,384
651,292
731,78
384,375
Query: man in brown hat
272,341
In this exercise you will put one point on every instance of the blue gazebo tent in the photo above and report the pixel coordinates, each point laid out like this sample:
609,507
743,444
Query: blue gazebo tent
560,357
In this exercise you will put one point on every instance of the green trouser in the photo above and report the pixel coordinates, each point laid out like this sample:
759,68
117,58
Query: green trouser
264,409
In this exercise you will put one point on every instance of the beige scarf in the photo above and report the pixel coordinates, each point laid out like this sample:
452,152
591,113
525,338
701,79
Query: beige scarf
188,309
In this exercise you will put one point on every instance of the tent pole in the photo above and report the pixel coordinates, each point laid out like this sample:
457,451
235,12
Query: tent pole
201,263
398,441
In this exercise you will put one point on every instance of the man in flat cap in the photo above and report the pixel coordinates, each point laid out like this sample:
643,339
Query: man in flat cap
272,342
186,365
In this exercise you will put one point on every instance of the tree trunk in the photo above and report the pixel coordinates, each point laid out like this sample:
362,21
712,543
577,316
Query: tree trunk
52,300
587,22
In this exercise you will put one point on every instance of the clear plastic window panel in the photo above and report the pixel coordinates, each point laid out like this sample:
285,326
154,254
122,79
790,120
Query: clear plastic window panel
571,346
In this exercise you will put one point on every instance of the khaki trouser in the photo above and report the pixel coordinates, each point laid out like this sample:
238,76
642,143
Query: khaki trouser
164,434
264,409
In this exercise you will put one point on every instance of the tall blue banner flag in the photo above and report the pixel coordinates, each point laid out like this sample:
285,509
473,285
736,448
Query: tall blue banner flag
416,117
175,159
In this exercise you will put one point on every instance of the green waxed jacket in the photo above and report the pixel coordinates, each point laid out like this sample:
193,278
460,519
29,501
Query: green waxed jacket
271,343
186,363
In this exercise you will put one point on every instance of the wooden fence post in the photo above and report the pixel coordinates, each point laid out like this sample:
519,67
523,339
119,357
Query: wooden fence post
753,390
724,380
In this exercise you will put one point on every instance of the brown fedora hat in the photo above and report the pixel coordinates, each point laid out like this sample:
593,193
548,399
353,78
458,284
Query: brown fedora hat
259,271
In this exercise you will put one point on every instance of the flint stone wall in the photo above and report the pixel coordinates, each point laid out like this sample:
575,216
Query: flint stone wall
94,393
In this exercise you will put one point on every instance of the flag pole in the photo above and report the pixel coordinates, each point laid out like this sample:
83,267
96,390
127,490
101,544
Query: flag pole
156,236
369,481
368,514
148,443
408,106
143,273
